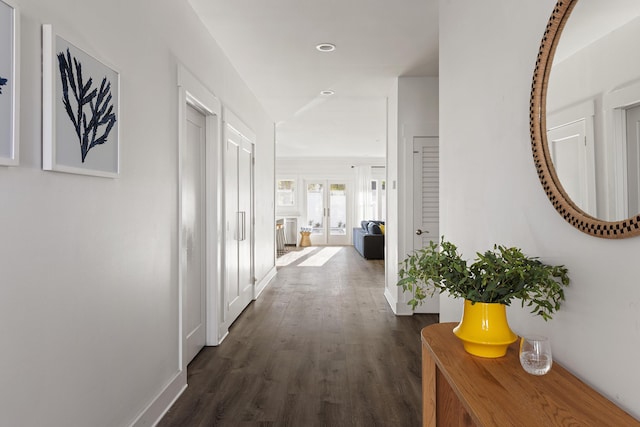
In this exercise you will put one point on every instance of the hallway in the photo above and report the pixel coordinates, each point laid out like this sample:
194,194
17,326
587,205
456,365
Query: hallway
320,347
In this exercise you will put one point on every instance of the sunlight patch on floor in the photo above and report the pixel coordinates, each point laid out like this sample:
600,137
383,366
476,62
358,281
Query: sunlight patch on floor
292,257
320,258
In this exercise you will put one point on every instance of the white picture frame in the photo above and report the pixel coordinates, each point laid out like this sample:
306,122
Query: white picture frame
80,110
9,83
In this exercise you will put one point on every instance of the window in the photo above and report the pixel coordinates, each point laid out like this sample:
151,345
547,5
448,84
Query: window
286,192
315,207
377,199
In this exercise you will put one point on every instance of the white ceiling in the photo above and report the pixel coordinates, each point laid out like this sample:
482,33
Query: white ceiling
272,46
591,20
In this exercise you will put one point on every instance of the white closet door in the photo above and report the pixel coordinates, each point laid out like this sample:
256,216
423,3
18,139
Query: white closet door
245,163
232,289
239,225
193,230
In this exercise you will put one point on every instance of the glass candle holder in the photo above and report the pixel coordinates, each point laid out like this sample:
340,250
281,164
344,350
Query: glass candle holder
535,354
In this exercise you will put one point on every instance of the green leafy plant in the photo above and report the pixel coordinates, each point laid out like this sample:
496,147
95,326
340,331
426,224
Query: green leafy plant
496,276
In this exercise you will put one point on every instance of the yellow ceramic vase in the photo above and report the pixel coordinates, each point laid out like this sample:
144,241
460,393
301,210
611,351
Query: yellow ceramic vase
484,330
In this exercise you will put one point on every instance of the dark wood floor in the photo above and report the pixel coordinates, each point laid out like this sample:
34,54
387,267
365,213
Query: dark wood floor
320,347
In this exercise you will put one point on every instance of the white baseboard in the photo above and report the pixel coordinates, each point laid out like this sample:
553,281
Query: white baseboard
260,286
154,412
223,336
424,309
399,308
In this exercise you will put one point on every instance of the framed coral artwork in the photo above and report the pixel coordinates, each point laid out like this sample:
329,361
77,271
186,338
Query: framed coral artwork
9,75
80,111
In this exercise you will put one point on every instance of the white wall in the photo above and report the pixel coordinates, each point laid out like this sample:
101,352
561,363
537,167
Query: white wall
490,194
417,116
324,166
608,62
413,112
89,305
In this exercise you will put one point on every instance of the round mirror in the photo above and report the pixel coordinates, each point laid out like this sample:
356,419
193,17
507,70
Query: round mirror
585,115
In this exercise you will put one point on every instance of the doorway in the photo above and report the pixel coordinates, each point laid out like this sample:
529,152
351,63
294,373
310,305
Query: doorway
193,214
199,217
426,200
327,211
568,149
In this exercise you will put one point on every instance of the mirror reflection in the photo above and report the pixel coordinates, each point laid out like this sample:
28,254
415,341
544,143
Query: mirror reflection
593,108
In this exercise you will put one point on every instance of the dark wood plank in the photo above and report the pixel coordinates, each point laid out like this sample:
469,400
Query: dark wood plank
320,347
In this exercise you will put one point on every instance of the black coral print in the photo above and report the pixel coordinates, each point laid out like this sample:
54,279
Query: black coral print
2,83
89,108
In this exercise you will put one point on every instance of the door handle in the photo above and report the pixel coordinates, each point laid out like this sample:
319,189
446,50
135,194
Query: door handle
244,225
241,230
419,232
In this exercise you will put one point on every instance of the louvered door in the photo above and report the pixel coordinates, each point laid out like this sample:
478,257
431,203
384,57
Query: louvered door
426,204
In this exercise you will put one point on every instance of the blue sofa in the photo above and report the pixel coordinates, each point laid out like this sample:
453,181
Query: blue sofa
369,241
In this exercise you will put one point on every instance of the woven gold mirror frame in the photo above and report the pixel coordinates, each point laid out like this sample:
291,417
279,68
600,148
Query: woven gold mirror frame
541,156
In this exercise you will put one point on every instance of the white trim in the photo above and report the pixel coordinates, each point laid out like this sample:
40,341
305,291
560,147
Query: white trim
614,104
153,413
264,282
194,93
234,123
398,308
224,335
570,114
14,158
47,95
197,93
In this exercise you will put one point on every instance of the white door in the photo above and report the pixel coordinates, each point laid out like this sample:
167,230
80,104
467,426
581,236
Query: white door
632,116
568,149
426,200
245,170
327,211
238,208
193,232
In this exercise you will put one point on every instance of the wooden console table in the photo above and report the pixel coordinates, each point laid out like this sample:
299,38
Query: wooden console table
459,389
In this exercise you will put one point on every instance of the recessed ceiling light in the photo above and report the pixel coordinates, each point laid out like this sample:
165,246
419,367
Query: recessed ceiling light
327,92
326,47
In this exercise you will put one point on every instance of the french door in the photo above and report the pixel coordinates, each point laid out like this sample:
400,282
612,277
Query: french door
327,211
